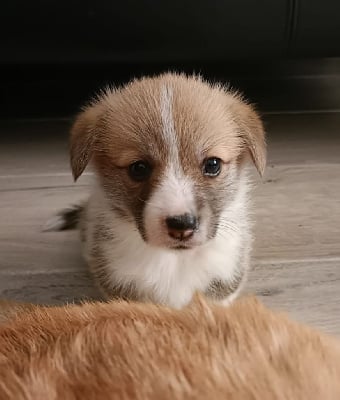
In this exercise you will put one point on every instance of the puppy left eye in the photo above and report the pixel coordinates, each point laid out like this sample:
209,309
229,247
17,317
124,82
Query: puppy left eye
212,166
140,171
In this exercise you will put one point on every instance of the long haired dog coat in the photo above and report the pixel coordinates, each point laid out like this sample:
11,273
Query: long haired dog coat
148,352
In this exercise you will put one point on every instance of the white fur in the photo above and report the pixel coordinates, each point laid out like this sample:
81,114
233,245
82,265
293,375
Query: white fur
163,275
175,194
173,197
168,125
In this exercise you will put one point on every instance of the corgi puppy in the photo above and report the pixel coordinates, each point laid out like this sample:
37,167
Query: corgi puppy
168,211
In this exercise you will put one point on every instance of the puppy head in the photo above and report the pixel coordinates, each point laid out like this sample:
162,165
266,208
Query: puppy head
168,151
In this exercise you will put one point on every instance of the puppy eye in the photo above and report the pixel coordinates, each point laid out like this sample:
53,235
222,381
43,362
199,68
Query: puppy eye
140,171
212,166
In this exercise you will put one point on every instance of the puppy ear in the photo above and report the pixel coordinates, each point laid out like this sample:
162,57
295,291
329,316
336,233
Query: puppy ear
83,137
252,132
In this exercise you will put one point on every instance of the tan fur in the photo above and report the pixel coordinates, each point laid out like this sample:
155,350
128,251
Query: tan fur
9,309
82,139
142,351
121,126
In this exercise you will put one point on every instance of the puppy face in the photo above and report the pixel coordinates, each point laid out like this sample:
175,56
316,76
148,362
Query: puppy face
168,152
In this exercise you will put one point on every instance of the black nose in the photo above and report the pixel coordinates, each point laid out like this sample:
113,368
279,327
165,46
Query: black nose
181,226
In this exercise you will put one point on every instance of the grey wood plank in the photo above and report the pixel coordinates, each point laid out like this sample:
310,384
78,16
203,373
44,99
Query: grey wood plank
303,139
308,290
23,244
49,288
24,182
34,147
297,211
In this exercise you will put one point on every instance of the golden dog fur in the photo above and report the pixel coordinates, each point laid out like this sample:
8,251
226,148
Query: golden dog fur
119,350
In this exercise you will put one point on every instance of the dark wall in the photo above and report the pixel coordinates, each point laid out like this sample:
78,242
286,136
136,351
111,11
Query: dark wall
56,31
137,31
55,54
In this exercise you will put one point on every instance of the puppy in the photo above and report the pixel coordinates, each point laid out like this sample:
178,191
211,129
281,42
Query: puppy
168,213
147,352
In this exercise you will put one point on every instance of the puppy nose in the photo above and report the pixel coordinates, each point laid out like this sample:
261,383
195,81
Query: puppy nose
181,227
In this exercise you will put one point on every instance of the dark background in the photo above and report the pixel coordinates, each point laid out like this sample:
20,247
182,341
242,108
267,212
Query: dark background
56,54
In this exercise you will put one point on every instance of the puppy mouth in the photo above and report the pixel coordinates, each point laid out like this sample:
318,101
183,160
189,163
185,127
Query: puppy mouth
181,247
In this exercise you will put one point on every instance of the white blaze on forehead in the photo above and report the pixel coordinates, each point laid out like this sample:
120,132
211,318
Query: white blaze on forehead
174,196
168,125
175,193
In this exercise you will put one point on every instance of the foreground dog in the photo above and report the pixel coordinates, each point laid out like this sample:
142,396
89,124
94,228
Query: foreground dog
143,351
168,214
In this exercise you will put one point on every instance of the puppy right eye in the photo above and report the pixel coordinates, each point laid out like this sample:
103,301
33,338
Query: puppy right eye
140,171
212,166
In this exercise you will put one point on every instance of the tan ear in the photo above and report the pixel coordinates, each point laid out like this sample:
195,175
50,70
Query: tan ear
252,132
83,137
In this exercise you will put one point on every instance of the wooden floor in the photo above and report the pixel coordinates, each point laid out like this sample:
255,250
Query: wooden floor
296,263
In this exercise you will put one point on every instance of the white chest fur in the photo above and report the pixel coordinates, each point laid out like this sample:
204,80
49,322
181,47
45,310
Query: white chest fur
163,275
